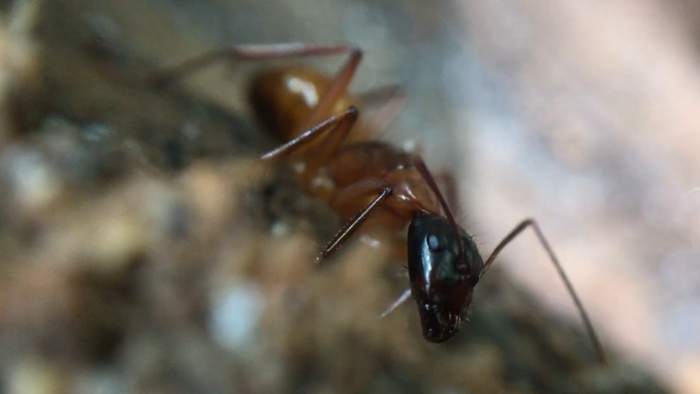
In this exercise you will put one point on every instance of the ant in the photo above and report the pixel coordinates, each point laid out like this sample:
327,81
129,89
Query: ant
313,115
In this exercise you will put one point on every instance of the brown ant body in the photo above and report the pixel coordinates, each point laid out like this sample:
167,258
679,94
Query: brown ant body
313,116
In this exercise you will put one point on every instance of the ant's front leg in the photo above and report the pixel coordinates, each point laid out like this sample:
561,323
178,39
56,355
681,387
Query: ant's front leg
358,190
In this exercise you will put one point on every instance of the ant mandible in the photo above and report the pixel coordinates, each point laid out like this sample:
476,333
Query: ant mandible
313,115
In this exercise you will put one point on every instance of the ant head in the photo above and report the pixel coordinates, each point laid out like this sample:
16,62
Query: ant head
442,281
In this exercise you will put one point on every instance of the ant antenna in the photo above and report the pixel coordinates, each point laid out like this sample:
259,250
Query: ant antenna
423,170
590,331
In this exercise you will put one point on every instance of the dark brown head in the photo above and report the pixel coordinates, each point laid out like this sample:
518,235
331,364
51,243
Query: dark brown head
442,282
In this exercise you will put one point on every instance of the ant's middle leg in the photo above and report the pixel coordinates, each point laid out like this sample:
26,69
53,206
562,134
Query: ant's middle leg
341,123
335,129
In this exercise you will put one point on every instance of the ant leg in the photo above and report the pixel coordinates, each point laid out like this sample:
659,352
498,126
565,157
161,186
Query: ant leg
360,189
391,99
253,53
451,194
325,151
380,122
341,123
337,88
600,353
402,298
423,170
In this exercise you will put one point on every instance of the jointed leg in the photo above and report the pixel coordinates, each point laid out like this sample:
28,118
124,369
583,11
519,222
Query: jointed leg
402,298
252,53
602,358
336,90
320,119
391,99
359,190
447,179
423,170
340,123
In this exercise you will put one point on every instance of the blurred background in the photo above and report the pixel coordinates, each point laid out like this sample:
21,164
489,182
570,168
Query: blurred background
581,115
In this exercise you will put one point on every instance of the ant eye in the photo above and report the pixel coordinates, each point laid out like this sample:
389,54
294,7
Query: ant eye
434,243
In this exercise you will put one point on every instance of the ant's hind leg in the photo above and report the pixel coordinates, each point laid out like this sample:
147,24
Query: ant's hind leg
388,100
600,353
255,53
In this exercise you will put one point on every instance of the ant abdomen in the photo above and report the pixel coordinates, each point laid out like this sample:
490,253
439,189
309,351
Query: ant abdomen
284,98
